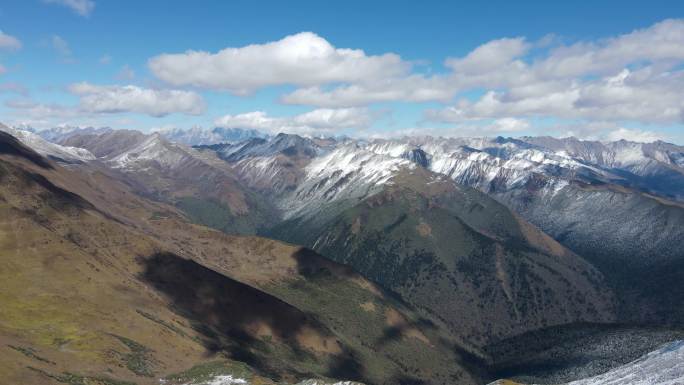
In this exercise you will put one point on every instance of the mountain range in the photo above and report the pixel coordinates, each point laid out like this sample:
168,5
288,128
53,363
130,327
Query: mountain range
420,257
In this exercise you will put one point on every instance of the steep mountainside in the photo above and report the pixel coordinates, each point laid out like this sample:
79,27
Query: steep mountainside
590,196
656,167
271,166
449,250
101,286
417,233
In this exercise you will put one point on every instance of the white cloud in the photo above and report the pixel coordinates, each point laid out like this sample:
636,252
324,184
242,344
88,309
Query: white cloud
9,42
505,126
633,135
508,125
81,7
304,59
633,77
319,121
414,88
490,56
117,99
659,43
636,77
30,110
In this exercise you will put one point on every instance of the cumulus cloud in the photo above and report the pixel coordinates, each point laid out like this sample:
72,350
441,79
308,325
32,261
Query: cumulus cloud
116,99
318,121
636,76
304,59
633,135
9,42
496,127
81,7
30,110
414,88
632,77
490,56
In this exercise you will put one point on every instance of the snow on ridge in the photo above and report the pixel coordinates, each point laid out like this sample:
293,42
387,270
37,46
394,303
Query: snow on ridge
45,148
154,148
346,173
664,366
375,168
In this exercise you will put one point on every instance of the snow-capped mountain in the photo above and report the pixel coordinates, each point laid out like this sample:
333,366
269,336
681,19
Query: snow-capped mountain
67,154
195,136
275,165
616,204
497,164
61,133
609,202
153,148
347,173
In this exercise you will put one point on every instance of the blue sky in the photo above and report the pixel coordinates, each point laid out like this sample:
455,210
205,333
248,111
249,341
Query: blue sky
516,68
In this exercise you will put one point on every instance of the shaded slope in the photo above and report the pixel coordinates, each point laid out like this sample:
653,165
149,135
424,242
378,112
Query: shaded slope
632,237
595,198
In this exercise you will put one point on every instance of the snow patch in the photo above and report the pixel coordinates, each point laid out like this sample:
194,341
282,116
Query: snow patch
664,366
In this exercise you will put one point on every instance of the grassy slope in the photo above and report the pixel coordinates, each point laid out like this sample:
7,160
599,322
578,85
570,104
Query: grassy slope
85,292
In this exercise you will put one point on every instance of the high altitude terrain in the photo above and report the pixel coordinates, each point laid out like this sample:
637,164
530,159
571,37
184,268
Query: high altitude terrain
452,251
101,285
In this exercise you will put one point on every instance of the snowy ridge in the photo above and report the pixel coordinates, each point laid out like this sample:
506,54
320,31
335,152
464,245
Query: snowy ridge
481,163
153,149
60,133
664,366
45,148
613,154
259,147
347,173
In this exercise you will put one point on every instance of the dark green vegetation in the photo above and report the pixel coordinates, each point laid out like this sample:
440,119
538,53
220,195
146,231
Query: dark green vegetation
633,238
460,257
139,360
31,353
214,214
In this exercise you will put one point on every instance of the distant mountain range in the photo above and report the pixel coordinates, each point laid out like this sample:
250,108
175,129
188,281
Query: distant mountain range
477,240
191,136
200,136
